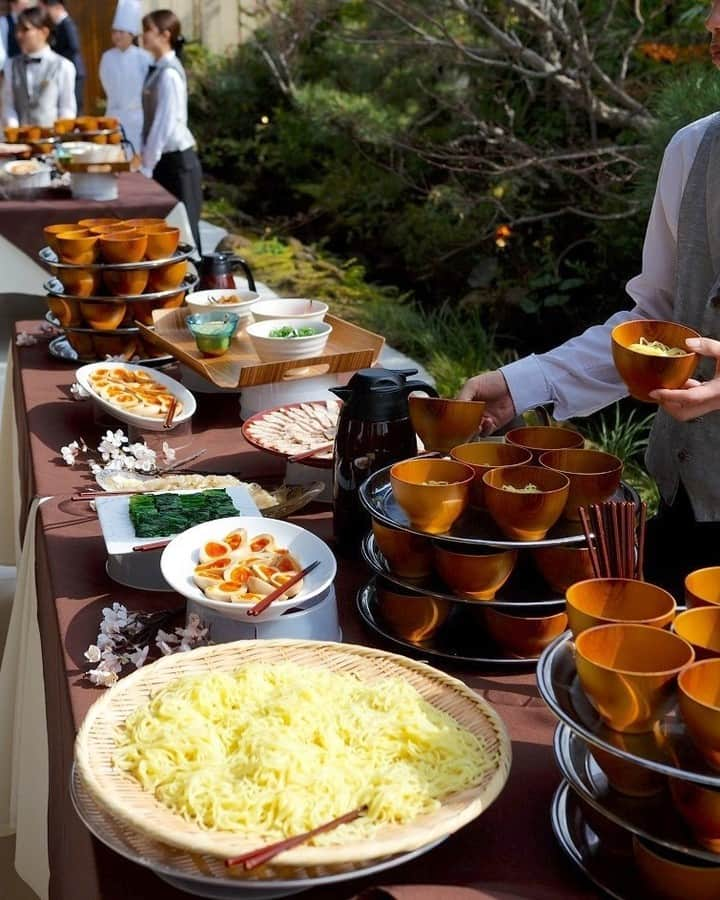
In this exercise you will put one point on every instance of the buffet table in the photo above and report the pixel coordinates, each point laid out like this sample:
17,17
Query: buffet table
508,852
22,221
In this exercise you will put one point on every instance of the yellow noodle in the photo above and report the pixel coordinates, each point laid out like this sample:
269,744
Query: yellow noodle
655,348
275,750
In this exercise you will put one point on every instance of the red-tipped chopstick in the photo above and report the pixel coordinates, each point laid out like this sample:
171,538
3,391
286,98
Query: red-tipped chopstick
299,457
155,545
256,858
93,495
170,413
263,604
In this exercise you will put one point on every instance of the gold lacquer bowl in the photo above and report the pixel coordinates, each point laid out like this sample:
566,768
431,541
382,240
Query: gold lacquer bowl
629,673
123,246
162,241
477,576
79,248
141,223
525,516
594,476
541,438
674,876
699,688
643,373
604,601
115,345
143,311
701,628
107,229
407,555
103,316
95,223
523,636
82,344
432,492
125,282
414,617
165,278
700,808
52,231
66,311
443,424
563,566
625,776
702,587
485,455
80,282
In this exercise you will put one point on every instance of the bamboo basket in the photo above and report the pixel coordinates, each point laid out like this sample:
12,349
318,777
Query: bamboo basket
349,348
123,798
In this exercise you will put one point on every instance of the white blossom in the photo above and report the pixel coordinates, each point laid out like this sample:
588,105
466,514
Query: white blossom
102,677
168,452
93,654
114,619
165,648
138,658
104,641
24,339
71,451
164,637
78,392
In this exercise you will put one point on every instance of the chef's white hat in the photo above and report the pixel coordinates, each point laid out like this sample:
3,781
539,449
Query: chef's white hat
128,16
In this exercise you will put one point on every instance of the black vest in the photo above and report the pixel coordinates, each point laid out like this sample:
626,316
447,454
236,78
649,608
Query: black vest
13,48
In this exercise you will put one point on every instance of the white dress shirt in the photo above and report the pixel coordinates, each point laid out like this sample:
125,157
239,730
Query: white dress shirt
122,73
169,131
579,376
67,104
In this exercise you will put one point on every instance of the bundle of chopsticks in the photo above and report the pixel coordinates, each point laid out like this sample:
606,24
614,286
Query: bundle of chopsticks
615,540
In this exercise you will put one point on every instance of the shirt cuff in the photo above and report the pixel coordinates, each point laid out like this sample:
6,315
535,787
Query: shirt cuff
148,173
527,383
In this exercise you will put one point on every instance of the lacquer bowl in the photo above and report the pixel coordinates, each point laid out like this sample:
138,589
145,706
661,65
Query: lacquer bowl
52,231
671,875
699,688
701,628
78,248
700,808
525,516
103,316
623,775
523,636
443,424
482,456
162,241
406,554
702,587
80,282
67,312
604,601
643,373
477,576
432,492
594,476
629,673
541,438
165,278
99,222
563,566
125,282
413,617
123,246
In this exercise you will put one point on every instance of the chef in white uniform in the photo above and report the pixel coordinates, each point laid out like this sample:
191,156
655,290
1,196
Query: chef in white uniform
123,70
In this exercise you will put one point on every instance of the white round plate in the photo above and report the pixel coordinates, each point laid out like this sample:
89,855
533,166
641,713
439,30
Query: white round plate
182,554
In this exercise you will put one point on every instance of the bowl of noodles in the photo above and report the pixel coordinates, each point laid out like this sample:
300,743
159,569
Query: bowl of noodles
227,748
650,354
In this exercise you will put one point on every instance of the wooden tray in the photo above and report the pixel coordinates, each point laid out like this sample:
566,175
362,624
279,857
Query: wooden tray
349,348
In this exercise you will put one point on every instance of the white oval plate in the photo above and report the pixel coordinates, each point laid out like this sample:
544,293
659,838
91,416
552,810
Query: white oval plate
149,424
183,553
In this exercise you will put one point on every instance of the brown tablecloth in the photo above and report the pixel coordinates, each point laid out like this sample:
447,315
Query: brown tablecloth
509,850
22,219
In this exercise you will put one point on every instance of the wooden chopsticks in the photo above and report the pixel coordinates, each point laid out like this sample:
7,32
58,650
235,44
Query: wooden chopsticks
256,858
170,413
263,604
155,545
307,454
616,545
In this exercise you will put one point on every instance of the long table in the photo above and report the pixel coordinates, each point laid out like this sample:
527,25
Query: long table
509,850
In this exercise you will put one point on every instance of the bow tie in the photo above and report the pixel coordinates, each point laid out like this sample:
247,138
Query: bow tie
31,59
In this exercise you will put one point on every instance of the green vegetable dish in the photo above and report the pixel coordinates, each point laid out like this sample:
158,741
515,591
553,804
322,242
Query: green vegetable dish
162,515
289,331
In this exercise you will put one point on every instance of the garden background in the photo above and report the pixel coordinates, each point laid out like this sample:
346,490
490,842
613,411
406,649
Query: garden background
471,179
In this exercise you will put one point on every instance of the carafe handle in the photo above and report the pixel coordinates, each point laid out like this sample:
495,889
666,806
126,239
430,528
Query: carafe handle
415,385
238,262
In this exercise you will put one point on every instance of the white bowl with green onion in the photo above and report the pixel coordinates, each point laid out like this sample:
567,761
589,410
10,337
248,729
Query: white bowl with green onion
281,339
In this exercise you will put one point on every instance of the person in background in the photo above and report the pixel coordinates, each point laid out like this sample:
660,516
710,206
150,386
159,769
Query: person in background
39,84
7,27
123,71
66,42
679,281
168,153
